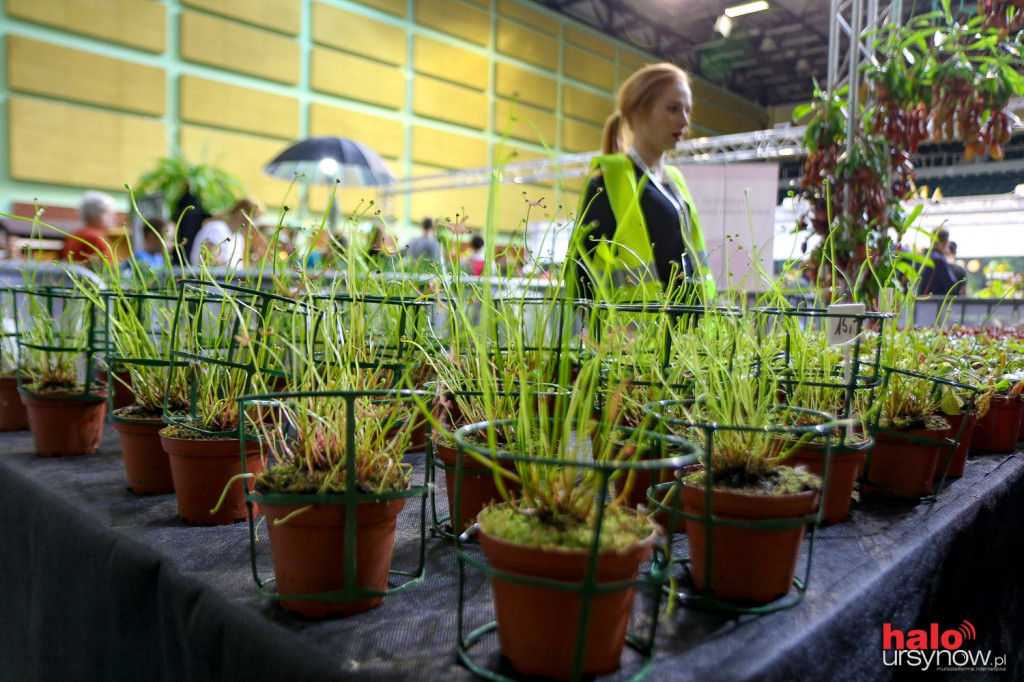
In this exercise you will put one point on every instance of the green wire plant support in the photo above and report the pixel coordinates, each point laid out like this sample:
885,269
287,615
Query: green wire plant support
585,594
282,421
708,523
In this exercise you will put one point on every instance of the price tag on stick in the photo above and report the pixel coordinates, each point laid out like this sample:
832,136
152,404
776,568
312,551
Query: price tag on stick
842,329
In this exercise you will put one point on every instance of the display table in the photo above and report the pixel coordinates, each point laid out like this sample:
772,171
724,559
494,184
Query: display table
102,584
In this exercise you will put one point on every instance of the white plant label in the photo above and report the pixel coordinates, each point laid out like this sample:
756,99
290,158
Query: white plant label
841,329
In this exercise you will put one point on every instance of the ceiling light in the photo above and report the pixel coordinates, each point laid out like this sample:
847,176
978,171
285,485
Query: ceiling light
803,66
767,44
747,8
723,25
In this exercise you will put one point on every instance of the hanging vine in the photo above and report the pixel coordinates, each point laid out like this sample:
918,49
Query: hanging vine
938,78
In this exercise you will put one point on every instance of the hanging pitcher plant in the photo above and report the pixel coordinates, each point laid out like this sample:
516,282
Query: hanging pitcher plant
939,78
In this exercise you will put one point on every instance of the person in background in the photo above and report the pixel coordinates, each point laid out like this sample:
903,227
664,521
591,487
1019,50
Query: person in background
221,241
381,248
473,263
639,233
154,242
91,240
936,277
426,247
959,272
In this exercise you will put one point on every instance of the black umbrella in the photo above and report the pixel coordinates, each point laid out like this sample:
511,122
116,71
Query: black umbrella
324,160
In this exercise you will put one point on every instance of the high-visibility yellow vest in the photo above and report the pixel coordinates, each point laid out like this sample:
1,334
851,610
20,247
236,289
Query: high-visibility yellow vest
625,265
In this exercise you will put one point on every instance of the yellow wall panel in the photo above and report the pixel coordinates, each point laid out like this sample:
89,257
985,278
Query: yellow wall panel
525,15
451,63
66,144
447,150
589,68
396,7
356,78
446,102
61,72
524,122
225,105
357,34
361,203
383,135
632,61
468,202
280,15
580,137
229,45
241,155
597,44
723,111
526,44
139,23
525,86
585,105
515,209
456,19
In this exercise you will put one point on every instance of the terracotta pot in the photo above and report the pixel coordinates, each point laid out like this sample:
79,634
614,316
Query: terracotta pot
538,626
754,564
123,395
308,552
842,474
201,469
959,458
478,486
904,467
13,415
997,430
146,465
65,425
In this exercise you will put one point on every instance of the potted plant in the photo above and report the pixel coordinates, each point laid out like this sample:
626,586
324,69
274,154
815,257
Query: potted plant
175,176
567,543
992,354
13,416
223,344
910,437
563,539
822,378
139,324
743,507
56,378
332,491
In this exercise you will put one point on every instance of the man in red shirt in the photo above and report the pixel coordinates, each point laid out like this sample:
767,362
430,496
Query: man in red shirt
98,215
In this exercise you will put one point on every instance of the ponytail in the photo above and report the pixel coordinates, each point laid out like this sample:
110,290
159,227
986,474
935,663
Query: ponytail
611,140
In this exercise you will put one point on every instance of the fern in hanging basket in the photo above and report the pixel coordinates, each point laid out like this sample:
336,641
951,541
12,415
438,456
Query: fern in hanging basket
175,175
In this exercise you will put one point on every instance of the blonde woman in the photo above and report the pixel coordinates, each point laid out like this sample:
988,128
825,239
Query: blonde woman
638,232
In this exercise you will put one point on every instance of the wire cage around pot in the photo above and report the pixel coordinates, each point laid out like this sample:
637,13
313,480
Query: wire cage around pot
857,374
471,484
912,463
58,349
383,328
13,416
842,379
591,587
661,324
226,337
728,540
331,533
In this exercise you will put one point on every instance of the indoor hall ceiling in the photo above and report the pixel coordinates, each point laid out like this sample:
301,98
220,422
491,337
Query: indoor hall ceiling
769,57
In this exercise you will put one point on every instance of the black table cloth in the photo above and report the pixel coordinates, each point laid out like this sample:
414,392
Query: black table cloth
102,584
